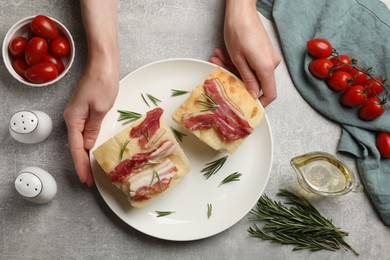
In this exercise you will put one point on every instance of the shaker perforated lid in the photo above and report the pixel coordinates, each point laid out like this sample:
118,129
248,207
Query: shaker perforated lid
28,185
24,122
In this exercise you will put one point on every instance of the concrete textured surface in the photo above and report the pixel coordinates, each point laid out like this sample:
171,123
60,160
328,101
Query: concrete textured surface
78,224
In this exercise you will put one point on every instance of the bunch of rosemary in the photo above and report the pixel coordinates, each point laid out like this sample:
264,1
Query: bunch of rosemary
300,225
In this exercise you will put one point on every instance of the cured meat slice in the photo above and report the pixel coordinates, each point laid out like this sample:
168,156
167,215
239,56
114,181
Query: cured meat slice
149,130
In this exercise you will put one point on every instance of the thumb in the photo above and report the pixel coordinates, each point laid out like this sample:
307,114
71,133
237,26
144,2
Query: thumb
92,128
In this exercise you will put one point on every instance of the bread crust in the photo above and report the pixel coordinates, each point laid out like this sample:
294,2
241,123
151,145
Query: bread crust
251,109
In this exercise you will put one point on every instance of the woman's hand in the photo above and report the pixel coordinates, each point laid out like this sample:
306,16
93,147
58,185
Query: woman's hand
97,89
251,53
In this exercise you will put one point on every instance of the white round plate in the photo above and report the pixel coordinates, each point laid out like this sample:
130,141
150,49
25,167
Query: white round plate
189,199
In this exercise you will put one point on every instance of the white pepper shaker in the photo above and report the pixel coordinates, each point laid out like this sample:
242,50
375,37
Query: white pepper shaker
30,126
36,185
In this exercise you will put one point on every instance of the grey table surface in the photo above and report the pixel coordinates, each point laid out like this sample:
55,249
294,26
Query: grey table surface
78,224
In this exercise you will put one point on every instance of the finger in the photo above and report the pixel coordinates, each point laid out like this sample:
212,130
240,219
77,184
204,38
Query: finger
221,60
92,128
249,78
80,155
219,53
268,86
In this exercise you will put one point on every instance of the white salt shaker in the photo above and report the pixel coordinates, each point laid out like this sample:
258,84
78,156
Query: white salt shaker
30,127
36,185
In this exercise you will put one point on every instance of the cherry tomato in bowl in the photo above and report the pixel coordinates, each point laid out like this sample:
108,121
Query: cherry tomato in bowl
59,46
17,46
22,28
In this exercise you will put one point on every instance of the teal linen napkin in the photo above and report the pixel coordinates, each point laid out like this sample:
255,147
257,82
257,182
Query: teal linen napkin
360,29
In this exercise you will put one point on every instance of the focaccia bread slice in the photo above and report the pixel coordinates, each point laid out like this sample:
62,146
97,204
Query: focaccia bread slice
143,160
220,112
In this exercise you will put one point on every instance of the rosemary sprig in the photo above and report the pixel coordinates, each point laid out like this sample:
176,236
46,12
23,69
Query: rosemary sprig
155,174
209,210
128,115
213,167
210,104
232,177
179,135
164,213
144,99
177,92
122,150
300,225
153,99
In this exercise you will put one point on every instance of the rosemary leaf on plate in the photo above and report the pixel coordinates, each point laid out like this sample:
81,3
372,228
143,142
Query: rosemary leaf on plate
209,210
232,177
300,225
164,213
128,115
144,99
213,167
153,99
177,92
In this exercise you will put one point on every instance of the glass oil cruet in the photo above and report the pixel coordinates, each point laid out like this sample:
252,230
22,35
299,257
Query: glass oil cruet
324,174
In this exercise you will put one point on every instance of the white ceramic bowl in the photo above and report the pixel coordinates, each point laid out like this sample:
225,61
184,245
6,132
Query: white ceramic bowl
21,28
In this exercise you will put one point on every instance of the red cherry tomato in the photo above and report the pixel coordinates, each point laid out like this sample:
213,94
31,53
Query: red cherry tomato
17,46
44,27
20,66
56,61
339,80
383,144
358,75
374,87
41,72
341,62
35,51
354,96
59,46
320,67
319,48
371,109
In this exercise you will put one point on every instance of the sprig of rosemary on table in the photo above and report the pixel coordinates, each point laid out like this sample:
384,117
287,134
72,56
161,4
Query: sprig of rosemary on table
232,177
122,150
300,225
209,210
128,115
210,104
177,92
213,167
164,213
179,135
